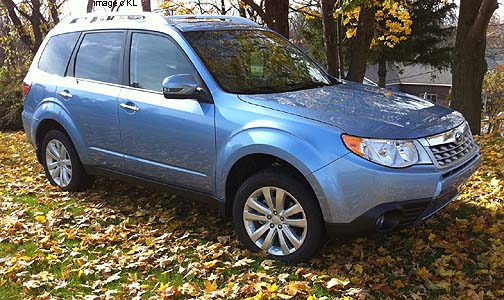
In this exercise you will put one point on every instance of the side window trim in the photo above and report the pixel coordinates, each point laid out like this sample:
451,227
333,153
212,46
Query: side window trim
127,67
74,50
73,60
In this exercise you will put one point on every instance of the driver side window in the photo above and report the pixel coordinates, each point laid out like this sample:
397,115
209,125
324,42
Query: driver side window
153,58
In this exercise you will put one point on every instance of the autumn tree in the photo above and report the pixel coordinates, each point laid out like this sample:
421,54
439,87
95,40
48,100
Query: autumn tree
493,95
426,40
23,30
360,44
31,20
469,66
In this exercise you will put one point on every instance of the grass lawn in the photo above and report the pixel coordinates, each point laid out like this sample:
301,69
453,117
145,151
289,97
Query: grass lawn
118,241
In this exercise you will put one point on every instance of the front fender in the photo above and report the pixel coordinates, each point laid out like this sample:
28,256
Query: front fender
271,141
52,109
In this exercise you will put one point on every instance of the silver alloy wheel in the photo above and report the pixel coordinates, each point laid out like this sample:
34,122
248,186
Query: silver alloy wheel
275,221
58,163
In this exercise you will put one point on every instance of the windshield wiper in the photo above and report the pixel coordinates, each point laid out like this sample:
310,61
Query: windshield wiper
305,86
257,90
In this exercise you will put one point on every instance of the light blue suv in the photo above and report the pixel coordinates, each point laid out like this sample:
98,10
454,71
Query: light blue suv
220,108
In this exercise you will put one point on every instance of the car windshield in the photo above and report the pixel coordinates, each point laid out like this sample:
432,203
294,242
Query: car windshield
255,62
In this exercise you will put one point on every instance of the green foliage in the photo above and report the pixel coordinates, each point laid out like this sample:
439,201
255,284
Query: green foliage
13,68
311,33
493,94
429,41
11,95
20,37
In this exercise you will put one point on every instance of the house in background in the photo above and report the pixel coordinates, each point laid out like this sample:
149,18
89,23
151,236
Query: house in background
425,81
422,81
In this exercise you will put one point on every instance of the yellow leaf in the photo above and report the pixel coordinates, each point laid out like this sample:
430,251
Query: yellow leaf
163,287
358,268
210,286
272,288
336,282
211,264
299,270
40,219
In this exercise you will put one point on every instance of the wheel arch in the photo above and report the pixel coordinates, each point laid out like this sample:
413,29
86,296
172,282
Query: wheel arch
51,115
250,164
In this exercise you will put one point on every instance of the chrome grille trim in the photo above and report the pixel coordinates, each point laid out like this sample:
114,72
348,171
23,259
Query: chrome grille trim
451,147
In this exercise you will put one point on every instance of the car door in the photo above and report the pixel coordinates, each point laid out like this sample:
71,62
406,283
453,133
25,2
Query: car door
90,93
167,140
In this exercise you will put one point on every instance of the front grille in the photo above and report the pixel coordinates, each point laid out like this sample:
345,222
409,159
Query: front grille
450,153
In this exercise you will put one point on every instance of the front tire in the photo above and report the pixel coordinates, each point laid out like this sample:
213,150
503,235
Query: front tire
277,213
61,163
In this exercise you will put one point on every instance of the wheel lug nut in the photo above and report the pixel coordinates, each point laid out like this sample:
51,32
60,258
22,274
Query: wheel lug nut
269,217
282,218
279,226
274,212
272,225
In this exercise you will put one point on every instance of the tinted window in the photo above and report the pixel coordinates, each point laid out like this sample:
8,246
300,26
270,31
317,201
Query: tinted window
54,58
255,61
99,57
152,58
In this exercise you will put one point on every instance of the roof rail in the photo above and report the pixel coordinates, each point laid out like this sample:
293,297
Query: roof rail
210,18
116,16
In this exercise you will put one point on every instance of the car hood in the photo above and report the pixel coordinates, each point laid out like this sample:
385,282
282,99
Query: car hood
363,110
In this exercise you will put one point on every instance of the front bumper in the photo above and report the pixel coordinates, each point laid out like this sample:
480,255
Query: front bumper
354,193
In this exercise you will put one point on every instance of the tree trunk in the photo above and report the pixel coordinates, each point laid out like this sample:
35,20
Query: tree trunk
330,37
339,35
53,8
89,8
360,44
278,16
223,7
382,73
469,66
36,23
146,5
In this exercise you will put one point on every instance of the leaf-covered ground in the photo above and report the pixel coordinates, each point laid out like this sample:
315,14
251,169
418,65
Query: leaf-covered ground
118,241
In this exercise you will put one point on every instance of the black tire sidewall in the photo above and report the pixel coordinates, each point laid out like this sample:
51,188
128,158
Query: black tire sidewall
298,189
79,178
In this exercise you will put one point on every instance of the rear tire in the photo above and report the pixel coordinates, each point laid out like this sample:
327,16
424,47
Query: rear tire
61,163
287,224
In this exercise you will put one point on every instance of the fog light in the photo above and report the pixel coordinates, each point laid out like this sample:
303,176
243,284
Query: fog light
380,221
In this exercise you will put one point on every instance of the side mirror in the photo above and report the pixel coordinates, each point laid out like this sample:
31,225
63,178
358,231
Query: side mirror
184,86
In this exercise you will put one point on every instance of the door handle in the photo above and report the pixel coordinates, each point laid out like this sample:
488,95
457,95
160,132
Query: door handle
65,94
129,107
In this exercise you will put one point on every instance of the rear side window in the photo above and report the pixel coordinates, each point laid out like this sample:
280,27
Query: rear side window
54,58
100,56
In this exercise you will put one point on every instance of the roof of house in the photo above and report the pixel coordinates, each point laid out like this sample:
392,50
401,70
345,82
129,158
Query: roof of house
410,74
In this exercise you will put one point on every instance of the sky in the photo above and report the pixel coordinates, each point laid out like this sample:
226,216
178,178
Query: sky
78,7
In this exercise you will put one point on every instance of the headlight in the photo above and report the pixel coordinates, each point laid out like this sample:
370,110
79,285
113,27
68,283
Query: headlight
390,153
